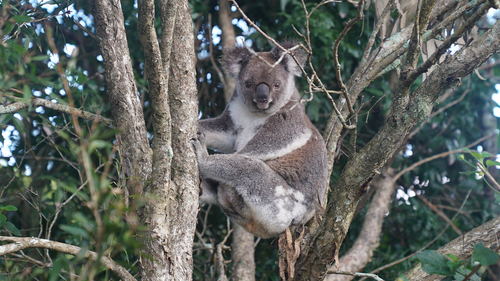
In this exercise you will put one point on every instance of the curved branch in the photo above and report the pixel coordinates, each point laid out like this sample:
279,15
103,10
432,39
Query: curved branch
35,102
21,243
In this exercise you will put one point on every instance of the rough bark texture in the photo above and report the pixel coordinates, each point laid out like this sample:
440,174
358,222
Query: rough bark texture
182,196
242,255
462,247
125,105
171,212
407,111
369,239
153,214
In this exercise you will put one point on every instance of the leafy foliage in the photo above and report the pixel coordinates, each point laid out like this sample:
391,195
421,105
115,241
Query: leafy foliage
42,170
434,262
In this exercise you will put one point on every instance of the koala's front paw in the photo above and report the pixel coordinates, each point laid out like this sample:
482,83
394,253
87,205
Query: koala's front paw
200,148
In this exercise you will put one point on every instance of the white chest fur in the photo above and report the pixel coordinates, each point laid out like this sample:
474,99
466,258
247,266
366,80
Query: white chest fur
246,122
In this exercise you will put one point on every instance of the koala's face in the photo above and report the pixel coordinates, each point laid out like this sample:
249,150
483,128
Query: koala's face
263,89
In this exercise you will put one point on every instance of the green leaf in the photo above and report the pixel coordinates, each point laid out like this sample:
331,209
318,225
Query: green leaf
96,144
492,163
434,263
75,231
466,150
402,278
486,154
10,208
40,58
462,272
2,219
468,173
497,197
73,189
21,19
12,228
483,255
283,4
476,155
452,257
452,265
56,269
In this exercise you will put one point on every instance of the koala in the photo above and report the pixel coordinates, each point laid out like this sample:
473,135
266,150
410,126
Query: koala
275,163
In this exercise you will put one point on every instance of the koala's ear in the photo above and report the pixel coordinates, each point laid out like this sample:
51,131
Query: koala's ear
234,59
288,62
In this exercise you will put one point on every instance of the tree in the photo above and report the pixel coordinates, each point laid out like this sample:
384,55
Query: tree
136,184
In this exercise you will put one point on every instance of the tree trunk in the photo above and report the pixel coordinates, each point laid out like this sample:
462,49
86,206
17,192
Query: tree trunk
125,106
172,193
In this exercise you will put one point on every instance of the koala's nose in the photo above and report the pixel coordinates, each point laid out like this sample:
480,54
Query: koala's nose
262,95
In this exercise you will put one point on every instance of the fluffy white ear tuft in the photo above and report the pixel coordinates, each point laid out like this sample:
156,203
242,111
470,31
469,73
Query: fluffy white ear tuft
234,59
288,61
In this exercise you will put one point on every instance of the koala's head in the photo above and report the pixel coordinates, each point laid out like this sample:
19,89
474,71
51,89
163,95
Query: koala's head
262,88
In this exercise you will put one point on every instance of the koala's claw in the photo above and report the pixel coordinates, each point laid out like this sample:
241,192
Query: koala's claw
199,145
202,138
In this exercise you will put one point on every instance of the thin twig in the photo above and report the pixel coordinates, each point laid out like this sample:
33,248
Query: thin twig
357,274
448,42
426,246
336,62
440,155
35,102
373,36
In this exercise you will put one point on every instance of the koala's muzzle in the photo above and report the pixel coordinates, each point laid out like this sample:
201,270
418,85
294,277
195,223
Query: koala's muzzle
262,98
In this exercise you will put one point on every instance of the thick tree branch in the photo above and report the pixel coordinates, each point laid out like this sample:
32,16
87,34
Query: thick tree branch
125,104
21,243
462,247
181,205
362,167
369,238
36,102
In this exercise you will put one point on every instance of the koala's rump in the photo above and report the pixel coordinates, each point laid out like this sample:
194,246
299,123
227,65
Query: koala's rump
304,169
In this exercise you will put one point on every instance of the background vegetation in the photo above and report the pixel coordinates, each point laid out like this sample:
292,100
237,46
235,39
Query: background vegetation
46,157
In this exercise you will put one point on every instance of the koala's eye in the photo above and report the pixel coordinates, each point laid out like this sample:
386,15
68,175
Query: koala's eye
248,84
277,85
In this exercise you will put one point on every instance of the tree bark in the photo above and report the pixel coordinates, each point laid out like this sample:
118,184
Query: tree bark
172,193
407,111
369,239
182,195
125,105
462,247
242,255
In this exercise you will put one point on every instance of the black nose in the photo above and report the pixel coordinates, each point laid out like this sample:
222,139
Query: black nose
262,95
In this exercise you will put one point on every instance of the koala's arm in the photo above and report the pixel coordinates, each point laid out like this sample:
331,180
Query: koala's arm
283,132
219,132
251,193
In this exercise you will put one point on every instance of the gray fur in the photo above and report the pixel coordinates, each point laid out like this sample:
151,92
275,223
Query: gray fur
275,163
